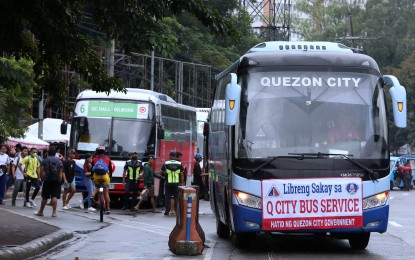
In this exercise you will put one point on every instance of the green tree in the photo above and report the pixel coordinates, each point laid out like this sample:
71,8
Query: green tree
16,89
406,75
49,33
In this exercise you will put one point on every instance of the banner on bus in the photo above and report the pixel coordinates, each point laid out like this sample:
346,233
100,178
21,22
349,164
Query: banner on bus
112,109
301,204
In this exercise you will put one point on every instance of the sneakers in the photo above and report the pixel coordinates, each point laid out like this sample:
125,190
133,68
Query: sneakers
33,203
27,204
172,213
81,204
91,209
107,212
66,207
13,204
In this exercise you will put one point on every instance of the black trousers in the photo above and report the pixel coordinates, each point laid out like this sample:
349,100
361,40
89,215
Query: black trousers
130,185
29,182
407,181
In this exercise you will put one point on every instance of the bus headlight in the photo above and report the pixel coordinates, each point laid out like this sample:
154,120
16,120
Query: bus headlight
376,200
248,200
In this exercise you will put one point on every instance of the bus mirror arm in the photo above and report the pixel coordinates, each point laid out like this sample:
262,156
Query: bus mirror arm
160,133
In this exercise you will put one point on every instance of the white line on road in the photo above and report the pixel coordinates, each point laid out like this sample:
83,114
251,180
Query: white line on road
392,198
405,194
393,223
209,251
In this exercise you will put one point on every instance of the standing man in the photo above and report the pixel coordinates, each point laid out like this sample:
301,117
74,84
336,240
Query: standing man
11,168
18,175
68,179
31,172
174,171
406,175
106,177
149,176
4,164
52,175
197,175
132,170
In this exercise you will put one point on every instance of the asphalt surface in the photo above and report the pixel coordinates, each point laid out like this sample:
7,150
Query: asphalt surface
22,237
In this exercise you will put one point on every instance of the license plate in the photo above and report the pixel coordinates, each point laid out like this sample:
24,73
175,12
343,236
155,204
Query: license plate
111,186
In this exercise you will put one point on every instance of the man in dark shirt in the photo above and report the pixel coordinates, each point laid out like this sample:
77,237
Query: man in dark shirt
68,179
132,170
197,175
50,189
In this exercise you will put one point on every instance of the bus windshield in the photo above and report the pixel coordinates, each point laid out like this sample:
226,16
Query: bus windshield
119,136
286,112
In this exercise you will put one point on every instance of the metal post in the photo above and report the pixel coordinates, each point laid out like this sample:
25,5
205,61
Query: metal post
111,59
40,124
152,72
189,217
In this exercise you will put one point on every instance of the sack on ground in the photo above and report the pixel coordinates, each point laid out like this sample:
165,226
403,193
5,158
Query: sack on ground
100,167
144,194
52,172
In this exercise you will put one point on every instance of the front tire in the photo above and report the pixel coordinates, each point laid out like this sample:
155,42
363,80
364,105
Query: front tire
359,240
101,207
222,230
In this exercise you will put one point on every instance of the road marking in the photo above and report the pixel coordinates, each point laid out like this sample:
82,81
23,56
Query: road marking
405,194
209,251
395,224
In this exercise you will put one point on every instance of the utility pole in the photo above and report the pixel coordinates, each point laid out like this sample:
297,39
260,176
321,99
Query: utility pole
111,59
152,71
351,38
40,124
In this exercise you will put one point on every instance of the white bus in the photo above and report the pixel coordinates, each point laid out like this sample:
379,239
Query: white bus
139,120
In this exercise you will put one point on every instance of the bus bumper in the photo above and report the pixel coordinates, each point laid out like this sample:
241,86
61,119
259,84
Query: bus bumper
250,220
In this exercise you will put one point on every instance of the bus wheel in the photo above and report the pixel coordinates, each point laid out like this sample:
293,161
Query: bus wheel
242,240
359,240
222,230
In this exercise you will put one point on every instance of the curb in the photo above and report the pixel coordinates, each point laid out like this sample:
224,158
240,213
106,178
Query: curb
35,247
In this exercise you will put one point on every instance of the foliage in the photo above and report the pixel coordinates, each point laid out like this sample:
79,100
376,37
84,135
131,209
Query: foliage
406,75
16,87
49,33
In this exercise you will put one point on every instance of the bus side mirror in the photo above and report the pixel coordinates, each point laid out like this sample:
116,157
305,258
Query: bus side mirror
160,133
232,100
398,94
206,129
64,128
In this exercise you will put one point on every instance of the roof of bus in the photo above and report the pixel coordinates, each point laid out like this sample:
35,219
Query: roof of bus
132,94
284,46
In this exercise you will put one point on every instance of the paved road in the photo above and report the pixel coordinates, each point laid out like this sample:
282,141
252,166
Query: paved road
134,236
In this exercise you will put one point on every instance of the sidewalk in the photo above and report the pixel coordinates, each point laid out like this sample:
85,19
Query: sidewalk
22,237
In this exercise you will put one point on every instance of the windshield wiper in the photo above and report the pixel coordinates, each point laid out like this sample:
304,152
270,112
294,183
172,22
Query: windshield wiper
372,174
271,159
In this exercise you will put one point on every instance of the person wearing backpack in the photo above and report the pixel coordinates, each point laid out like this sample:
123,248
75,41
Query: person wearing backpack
51,174
102,170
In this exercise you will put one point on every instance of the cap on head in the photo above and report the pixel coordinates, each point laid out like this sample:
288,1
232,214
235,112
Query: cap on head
133,153
100,148
151,156
198,156
71,151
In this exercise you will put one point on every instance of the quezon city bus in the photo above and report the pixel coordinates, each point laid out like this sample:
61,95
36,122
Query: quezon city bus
298,143
139,120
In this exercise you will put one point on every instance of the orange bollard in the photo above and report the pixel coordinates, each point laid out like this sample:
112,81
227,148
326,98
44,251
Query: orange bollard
194,244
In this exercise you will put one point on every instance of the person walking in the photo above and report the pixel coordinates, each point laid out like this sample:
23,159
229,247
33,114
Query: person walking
89,184
172,170
11,168
149,176
4,164
52,174
18,175
31,172
132,170
68,179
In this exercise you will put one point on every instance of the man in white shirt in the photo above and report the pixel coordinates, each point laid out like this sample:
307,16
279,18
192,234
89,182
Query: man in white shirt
4,164
18,175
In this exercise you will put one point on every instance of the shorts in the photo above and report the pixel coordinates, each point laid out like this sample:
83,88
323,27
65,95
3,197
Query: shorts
105,180
51,190
151,191
69,184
